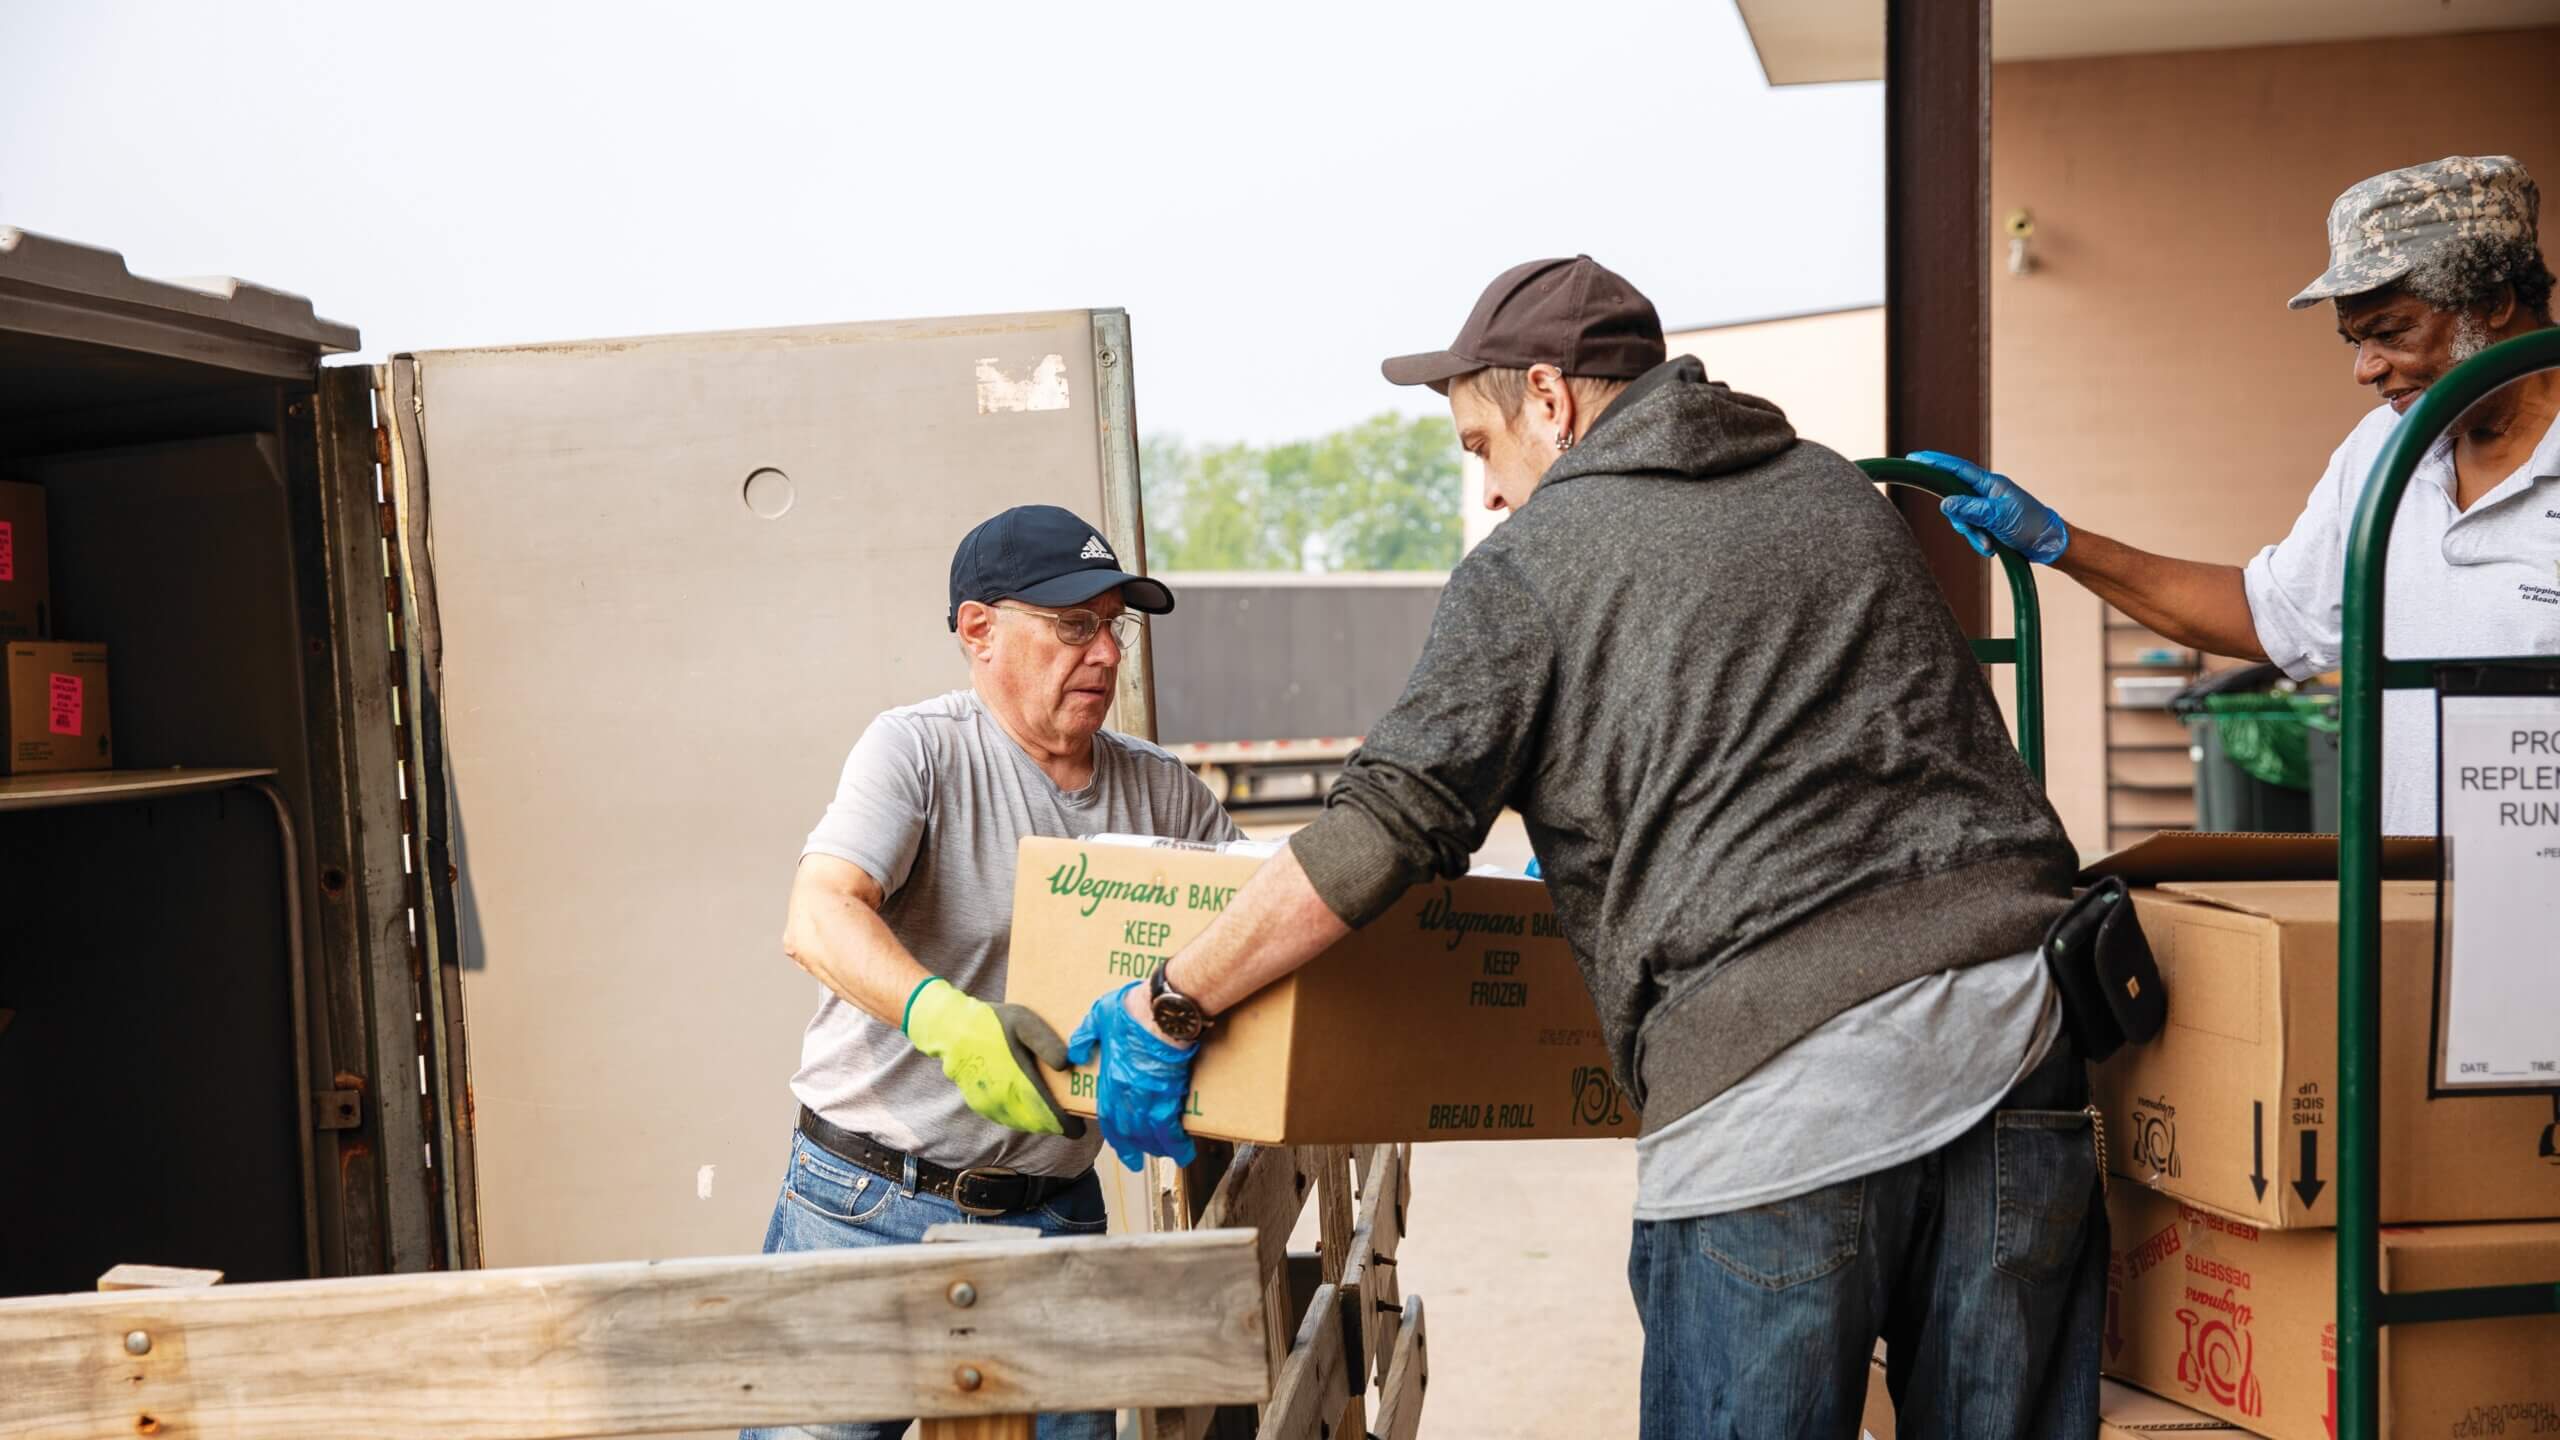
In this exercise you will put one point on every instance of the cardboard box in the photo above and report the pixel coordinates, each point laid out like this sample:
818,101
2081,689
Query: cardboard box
2231,1107
26,596
1457,1015
2241,1323
2125,1413
53,707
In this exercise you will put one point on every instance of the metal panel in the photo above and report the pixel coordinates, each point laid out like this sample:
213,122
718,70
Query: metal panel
646,688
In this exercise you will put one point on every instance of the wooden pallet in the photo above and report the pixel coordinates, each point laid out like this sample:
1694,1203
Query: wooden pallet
1358,1331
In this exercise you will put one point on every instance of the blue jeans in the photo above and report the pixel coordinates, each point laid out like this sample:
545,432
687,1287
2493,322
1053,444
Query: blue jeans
827,1204
1982,1266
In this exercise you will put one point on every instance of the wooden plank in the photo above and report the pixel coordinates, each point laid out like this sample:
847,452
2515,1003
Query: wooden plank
979,1427
1259,1188
1314,1387
1263,1191
1278,1317
637,1348
1338,1210
1336,1201
1409,1374
157,1277
1373,1252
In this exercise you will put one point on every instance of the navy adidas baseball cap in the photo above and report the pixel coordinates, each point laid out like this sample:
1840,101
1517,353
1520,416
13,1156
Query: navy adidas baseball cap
1043,555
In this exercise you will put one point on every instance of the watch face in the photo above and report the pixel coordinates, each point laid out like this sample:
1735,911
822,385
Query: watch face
1178,1016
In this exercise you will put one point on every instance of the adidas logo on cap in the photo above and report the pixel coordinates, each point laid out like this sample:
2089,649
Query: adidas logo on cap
1094,549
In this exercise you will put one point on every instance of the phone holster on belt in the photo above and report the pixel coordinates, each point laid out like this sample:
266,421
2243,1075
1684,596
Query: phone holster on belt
2111,990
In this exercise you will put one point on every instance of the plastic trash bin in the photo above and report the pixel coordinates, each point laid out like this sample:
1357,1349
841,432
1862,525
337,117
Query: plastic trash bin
2321,739
2253,763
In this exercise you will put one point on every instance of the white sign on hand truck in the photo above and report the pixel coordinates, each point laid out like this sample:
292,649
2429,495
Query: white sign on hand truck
2498,962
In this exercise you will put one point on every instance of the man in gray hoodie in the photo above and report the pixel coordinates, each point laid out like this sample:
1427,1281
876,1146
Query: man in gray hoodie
1803,869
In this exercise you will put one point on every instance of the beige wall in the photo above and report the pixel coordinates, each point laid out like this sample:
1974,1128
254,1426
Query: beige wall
1826,371
2147,380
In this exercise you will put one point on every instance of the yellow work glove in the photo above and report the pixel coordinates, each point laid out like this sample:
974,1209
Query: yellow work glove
994,1054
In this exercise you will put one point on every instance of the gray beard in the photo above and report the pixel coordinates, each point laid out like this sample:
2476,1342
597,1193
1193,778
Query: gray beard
2470,337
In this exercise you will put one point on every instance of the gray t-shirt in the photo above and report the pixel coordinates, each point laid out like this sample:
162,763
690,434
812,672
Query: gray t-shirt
933,803
1877,1084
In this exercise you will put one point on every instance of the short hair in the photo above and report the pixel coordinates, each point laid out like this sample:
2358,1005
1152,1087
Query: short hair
1507,390
2470,272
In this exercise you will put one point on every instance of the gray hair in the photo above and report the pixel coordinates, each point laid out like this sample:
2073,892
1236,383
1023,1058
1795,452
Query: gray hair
2469,273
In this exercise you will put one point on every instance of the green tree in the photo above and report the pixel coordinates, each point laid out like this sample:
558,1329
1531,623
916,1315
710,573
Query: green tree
1380,495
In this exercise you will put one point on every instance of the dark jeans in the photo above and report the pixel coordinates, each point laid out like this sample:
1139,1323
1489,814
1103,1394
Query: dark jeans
827,1204
1983,1266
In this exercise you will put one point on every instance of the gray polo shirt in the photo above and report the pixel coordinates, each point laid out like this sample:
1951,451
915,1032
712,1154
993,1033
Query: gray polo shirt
933,803
2462,583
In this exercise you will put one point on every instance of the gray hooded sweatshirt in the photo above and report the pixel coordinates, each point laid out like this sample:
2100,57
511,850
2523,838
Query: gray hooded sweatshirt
1762,771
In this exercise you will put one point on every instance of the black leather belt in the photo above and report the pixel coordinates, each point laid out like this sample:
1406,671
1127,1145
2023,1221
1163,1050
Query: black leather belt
978,1190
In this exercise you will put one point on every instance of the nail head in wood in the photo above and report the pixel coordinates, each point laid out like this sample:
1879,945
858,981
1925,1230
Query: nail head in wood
137,1342
969,1377
964,1294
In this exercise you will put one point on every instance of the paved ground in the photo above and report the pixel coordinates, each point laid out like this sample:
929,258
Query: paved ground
1519,1252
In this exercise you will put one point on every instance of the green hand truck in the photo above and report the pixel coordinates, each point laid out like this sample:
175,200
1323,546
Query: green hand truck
2362,1307
2025,648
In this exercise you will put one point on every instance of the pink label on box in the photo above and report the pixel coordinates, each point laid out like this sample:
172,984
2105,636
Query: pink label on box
63,709
8,552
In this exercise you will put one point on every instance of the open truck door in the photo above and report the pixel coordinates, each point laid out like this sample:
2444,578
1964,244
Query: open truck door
654,589
467,712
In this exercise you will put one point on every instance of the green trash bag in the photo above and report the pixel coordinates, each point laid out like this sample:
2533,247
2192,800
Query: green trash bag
2268,736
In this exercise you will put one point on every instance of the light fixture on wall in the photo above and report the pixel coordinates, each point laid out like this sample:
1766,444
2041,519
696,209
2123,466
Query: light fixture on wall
2020,225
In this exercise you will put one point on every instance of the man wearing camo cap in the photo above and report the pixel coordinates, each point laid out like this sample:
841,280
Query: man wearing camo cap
2428,266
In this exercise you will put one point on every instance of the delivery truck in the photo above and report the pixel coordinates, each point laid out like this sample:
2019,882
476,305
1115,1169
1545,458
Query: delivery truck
468,710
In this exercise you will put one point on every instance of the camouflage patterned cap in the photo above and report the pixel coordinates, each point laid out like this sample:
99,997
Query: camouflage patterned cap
2383,227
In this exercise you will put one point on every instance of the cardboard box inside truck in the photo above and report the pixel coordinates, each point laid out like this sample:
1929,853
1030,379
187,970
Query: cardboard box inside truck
2239,1322
1457,1015
26,596
2232,1106
53,707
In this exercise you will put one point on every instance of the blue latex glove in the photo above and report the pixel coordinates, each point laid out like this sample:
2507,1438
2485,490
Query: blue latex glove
2000,509
1144,1081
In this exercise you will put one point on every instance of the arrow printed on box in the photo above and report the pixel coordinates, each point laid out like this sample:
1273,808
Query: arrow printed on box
2310,1185
2258,1147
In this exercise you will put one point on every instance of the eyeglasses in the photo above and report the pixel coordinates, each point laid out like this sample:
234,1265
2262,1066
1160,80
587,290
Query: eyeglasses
1076,628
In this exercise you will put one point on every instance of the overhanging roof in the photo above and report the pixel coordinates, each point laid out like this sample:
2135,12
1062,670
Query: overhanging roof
1808,41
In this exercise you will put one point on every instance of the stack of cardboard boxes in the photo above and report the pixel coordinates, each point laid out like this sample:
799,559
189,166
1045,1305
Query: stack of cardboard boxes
2222,1138
53,693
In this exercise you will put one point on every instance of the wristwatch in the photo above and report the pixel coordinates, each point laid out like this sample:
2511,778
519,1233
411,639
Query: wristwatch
1176,1014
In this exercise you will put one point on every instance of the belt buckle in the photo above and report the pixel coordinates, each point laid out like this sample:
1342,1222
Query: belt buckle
960,1181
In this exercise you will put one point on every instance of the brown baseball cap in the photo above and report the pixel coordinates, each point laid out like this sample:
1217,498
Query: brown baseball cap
1577,315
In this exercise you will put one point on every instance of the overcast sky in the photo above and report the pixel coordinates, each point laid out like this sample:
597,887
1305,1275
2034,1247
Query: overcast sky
1280,195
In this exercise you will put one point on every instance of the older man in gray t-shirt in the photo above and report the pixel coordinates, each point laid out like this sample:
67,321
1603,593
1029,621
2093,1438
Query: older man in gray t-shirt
916,1084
